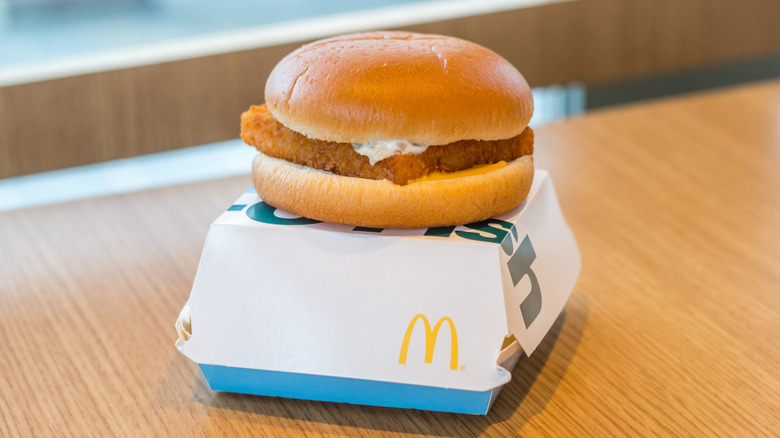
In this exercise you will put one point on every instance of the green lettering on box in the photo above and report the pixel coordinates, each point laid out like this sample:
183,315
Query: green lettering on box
495,228
262,212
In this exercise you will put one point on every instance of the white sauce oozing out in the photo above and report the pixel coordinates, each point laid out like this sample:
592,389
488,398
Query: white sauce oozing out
379,150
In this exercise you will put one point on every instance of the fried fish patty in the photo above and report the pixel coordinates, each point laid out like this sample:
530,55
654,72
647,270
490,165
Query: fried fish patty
261,130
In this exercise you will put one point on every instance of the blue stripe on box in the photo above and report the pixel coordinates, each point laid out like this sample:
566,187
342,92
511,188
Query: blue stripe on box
347,390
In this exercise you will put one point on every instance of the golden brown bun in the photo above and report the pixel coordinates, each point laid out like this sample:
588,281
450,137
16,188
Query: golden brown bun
328,197
427,89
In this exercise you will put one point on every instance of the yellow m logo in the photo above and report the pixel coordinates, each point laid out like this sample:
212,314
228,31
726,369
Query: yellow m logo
430,340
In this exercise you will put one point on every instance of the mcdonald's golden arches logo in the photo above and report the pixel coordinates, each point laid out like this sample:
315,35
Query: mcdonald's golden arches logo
430,340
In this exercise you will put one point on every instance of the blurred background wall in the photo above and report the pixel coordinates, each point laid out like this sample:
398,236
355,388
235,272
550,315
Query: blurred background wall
167,98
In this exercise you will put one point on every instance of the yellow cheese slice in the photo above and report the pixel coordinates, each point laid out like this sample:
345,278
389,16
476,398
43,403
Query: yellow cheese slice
476,170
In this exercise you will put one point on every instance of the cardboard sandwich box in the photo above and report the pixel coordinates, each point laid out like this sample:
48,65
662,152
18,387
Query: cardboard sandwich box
287,306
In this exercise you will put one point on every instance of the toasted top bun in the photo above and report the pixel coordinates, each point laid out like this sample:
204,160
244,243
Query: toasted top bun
427,89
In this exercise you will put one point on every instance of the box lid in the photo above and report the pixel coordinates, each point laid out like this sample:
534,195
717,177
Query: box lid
427,306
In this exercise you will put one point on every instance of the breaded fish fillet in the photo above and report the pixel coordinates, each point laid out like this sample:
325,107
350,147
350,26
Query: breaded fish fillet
260,129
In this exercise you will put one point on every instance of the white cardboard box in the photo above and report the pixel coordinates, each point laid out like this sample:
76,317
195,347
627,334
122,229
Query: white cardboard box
287,306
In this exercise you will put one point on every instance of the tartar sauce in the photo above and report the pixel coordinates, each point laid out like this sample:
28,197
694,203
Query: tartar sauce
379,150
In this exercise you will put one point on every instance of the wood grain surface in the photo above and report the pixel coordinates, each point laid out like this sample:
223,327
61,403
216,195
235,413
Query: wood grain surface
672,329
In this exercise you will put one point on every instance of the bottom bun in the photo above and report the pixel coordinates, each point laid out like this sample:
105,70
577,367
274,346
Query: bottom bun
328,197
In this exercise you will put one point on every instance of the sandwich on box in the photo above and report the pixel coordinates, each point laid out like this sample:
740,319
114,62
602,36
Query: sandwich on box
395,205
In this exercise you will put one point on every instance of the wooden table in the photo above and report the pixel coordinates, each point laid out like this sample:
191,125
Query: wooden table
672,329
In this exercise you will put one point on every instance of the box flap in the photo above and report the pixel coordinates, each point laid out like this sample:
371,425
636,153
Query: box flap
540,264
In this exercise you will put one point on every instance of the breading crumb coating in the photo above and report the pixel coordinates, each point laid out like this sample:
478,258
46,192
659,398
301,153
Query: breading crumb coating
261,130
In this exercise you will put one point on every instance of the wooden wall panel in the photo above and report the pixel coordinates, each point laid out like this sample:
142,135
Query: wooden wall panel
85,119
597,41
103,116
